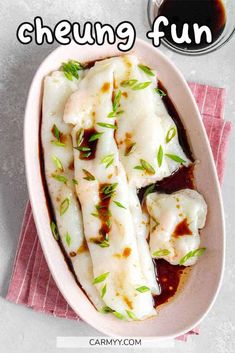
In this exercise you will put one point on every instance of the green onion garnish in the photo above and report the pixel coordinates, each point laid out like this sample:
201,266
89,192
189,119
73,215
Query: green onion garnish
146,69
88,175
170,134
142,289
162,252
175,158
100,278
64,206
160,156
54,230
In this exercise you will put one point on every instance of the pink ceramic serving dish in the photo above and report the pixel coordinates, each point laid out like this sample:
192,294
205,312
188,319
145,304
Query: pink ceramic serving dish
194,301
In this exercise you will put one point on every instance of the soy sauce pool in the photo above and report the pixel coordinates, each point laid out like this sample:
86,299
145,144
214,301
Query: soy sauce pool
171,279
209,13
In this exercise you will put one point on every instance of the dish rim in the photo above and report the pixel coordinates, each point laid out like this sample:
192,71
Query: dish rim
31,186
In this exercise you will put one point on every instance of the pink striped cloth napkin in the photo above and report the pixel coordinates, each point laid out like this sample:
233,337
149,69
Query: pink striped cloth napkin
32,284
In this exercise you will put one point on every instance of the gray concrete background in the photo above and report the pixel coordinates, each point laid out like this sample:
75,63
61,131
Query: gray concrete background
21,329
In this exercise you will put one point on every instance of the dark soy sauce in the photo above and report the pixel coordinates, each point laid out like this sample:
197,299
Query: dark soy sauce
172,111
209,13
169,277
181,179
89,147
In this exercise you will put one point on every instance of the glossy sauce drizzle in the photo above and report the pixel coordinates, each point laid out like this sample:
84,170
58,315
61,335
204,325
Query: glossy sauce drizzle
172,111
169,277
89,147
182,229
181,179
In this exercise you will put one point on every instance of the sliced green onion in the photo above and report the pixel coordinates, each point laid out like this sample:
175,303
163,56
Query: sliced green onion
112,114
119,204
58,143
71,69
60,178
68,238
100,278
146,69
54,230
88,175
160,156
56,132
142,289
103,291
160,92
129,83
162,252
104,244
199,252
106,310
120,112
140,85
119,315
109,190
82,148
109,126
147,167
131,315
170,134
175,158
86,154
95,136
116,101
139,167
190,254
57,163
79,136
64,206
149,190
108,160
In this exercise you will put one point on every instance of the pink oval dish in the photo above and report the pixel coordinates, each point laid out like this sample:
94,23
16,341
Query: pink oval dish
201,288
